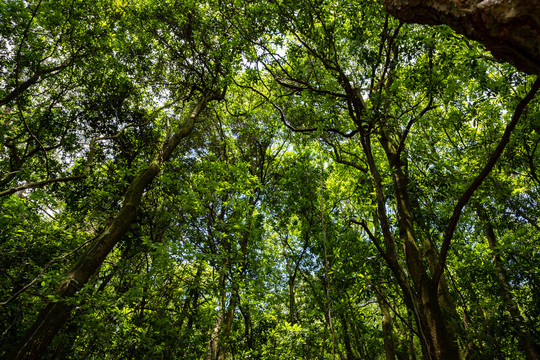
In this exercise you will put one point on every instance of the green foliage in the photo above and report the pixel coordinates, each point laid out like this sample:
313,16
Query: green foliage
263,236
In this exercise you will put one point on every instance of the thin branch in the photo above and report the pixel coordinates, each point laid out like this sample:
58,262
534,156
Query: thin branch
373,239
21,115
23,39
32,80
410,124
531,161
64,256
39,184
480,179
290,83
340,160
522,213
384,298
283,118
339,132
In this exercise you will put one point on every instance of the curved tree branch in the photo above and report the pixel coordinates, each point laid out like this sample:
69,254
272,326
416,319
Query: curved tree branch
464,199
39,184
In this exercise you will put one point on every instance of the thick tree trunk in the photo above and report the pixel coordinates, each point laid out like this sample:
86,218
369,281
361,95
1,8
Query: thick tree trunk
220,337
510,29
386,321
438,341
442,342
51,319
411,349
445,298
525,342
219,344
214,338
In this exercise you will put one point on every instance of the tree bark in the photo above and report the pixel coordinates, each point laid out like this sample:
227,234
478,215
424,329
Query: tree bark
510,29
51,319
292,270
214,338
439,342
445,298
219,343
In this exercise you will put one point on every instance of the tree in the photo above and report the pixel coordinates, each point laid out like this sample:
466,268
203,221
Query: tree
198,90
286,179
372,92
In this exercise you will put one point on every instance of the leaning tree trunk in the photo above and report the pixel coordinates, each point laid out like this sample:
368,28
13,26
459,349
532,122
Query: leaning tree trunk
51,319
510,29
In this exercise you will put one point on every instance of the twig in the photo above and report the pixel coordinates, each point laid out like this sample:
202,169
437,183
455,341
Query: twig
42,183
24,288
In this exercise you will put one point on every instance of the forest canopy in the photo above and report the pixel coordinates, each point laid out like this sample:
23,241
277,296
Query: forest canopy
313,179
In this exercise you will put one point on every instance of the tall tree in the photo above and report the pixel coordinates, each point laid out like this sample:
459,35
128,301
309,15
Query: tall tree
198,69
285,179
371,92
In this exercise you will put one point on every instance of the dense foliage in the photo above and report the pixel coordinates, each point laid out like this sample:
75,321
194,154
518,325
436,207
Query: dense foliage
262,180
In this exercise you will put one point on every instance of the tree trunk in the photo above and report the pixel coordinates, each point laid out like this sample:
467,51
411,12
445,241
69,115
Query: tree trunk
525,342
510,29
438,342
445,298
216,342
248,324
190,303
292,270
422,297
291,299
51,319
220,337
214,338
411,348
386,321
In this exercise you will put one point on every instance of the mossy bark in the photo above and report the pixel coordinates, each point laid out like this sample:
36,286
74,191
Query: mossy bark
51,319
510,29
